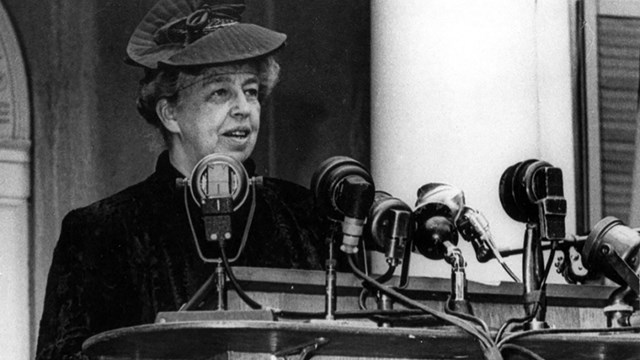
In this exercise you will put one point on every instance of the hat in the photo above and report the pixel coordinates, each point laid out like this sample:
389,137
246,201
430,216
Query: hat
198,32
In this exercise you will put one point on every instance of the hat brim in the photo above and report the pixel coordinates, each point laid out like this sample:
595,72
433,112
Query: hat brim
237,42
232,43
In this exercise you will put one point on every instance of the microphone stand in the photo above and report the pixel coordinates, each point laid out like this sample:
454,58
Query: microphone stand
383,301
217,220
221,287
330,300
212,188
534,292
217,279
620,307
458,301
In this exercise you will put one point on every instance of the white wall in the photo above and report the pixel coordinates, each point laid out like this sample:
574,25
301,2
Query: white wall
15,190
14,254
463,89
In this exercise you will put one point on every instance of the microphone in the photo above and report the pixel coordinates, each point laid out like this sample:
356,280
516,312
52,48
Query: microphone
436,209
344,190
612,248
531,191
447,201
389,227
436,237
219,184
474,228
389,230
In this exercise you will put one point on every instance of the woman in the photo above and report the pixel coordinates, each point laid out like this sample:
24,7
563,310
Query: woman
121,260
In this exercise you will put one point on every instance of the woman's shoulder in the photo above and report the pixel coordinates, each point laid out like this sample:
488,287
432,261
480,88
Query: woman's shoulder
116,211
119,203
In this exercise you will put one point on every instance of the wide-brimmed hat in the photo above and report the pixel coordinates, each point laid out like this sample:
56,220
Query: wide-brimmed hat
198,32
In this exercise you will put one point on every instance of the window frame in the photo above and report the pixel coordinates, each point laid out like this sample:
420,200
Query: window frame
588,135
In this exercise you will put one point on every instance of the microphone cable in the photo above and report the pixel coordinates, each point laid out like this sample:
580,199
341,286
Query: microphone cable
489,348
522,320
236,285
500,260
467,317
364,293
521,349
227,266
245,234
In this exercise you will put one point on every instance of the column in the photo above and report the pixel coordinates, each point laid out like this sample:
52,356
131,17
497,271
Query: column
460,91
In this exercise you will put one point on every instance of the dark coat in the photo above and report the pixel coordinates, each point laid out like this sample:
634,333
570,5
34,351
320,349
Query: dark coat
121,260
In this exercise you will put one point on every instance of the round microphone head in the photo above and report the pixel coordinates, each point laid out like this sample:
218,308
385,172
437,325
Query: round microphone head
431,234
445,194
219,175
328,176
611,235
437,207
517,190
383,218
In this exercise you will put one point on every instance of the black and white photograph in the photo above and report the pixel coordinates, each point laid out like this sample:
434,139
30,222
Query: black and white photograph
345,179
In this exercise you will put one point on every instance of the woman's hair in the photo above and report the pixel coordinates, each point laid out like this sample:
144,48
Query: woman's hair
165,83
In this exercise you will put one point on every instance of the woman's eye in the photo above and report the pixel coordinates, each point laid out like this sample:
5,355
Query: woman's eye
219,94
251,93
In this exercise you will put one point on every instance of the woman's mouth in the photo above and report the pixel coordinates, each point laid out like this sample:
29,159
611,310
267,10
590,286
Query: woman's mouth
238,134
237,139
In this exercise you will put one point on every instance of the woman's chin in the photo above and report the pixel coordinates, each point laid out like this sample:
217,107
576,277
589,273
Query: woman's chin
239,150
239,155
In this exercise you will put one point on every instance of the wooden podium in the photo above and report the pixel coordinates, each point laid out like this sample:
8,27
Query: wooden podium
303,291
209,340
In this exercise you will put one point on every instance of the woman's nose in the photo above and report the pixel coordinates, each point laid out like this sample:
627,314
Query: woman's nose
241,106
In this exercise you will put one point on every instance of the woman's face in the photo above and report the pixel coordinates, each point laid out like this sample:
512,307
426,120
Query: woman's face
219,112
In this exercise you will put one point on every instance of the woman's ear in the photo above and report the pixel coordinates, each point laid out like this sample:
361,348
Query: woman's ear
166,113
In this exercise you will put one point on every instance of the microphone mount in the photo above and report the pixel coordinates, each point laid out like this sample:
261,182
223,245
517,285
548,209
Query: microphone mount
343,191
219,185
531,192
390,230
436,237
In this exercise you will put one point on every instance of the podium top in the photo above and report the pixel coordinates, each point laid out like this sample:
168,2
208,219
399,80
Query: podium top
206,339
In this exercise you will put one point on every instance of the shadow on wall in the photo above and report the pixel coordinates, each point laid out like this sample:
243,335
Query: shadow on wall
322,106
128,145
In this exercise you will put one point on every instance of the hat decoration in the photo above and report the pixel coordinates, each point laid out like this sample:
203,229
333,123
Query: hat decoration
201,22
198,32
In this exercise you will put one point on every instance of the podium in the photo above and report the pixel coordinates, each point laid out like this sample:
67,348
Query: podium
215,339
303,290
206,340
